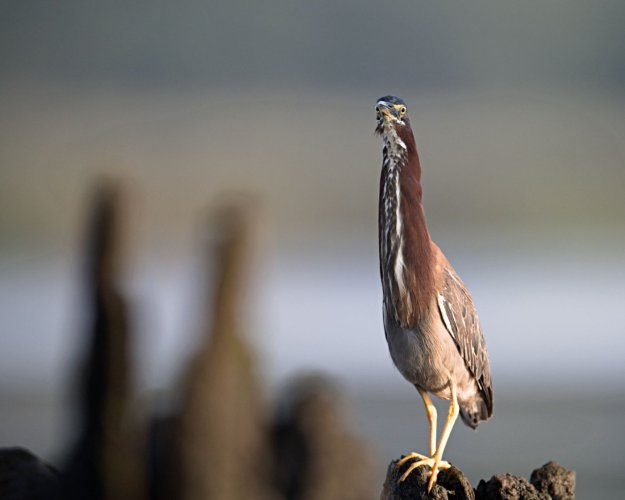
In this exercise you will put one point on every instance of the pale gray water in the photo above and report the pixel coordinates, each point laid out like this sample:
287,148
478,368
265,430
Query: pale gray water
552,323
547,320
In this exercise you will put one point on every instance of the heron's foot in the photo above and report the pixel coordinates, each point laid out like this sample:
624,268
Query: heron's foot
430,462
434,474
409,457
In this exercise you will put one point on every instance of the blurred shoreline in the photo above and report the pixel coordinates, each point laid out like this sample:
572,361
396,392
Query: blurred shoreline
529,427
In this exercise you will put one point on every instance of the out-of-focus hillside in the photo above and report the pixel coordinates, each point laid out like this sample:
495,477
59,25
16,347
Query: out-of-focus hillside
517,108
528,165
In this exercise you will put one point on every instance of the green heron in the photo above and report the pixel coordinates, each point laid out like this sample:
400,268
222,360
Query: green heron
432,329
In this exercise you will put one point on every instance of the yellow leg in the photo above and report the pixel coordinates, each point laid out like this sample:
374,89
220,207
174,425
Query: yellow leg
430,461
452,415
430,410
436,462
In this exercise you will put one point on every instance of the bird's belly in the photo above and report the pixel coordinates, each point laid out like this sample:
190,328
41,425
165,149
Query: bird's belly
427,357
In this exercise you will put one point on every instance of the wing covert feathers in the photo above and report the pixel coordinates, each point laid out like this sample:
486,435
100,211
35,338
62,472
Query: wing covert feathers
460,319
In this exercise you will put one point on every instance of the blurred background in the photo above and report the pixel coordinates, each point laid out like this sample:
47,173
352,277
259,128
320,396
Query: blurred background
519,113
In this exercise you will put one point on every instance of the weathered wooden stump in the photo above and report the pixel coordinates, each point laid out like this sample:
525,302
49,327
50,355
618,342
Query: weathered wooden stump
221,440
106,462
316,454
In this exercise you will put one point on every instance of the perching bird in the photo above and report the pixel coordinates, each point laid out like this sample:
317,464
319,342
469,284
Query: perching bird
431,326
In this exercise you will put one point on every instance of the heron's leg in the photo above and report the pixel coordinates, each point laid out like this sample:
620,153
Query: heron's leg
452,415
430,461
430,410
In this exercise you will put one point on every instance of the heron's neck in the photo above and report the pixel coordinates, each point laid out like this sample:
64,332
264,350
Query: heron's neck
406,256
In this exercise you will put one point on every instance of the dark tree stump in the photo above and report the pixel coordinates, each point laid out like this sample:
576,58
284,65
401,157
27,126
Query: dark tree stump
554,480
23,476
550,482
508,487
451,484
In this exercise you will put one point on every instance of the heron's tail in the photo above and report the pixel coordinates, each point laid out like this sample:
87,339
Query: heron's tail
473,413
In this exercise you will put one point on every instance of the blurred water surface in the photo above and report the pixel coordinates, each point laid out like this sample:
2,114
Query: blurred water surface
557,366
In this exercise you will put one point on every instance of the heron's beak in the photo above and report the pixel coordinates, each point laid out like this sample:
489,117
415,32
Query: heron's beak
385,110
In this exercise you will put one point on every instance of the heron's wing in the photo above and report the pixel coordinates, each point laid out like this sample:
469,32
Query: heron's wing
460,318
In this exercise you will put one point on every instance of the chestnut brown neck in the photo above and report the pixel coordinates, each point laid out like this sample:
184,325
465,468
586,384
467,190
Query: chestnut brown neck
406,254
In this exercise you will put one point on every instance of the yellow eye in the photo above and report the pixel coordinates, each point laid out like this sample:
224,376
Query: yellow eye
402,111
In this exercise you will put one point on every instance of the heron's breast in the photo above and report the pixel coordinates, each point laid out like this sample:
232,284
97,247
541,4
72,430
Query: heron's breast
427,356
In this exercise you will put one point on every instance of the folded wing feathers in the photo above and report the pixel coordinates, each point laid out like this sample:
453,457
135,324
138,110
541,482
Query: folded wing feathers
460,319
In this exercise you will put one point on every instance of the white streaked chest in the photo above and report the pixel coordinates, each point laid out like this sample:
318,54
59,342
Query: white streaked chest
392,244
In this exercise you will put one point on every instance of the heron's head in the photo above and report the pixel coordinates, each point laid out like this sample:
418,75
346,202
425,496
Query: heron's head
393,125
390,114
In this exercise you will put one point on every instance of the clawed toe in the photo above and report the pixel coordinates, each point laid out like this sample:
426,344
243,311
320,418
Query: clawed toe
430,462
410,456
